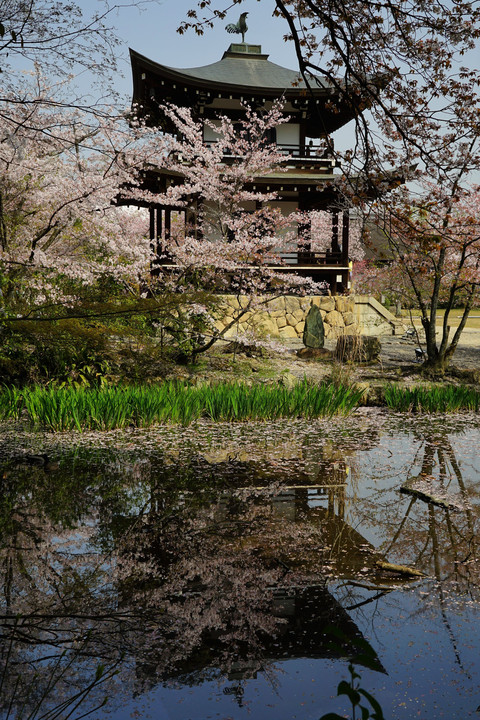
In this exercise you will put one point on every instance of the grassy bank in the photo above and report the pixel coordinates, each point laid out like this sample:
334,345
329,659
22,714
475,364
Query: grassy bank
455,315
441,399
107,408
70,408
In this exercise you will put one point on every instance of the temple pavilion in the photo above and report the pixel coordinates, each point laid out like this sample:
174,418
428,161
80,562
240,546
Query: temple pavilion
245,75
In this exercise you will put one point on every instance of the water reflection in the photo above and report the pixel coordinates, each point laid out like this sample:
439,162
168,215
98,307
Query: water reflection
173,568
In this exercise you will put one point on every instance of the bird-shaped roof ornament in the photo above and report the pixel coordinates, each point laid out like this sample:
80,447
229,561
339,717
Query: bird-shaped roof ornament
239,27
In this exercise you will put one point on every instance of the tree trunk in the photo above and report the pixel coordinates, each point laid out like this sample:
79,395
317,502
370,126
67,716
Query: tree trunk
3,227
437,364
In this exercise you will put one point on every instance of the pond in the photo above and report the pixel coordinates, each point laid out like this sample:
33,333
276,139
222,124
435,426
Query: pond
234,572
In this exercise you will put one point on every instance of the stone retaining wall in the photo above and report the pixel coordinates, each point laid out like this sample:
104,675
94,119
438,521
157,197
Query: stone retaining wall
374,319
284,317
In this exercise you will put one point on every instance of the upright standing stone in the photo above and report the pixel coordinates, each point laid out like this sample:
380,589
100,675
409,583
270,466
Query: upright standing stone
314,332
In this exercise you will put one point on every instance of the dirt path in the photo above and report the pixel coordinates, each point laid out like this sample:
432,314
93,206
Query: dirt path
397,362
467,355
397,354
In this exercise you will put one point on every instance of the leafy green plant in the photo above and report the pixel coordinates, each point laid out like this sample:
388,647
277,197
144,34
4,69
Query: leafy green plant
11,403
65,352
351,688
356,695
432,399
78,407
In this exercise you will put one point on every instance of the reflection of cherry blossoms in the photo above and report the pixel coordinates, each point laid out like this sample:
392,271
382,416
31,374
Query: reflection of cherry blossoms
210,595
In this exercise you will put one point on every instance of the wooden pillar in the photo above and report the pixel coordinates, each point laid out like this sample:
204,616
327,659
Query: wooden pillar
190,229
151,211
158,232
168,225
153,241
304,230
341,502
345,236
335,243
304,240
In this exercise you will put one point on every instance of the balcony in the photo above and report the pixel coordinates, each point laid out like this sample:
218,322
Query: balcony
312,151
318,153
310,258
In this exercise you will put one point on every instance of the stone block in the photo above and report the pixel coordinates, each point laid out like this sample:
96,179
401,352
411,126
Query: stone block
327,303
291,319
276,305
344,303
334,319
357,349
287,332
300,328
267,326
292,303
277,313
348,318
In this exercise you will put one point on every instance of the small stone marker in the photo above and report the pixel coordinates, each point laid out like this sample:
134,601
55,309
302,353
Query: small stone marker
314,332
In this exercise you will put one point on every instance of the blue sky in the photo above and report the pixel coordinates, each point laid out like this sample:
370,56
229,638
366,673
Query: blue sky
152,32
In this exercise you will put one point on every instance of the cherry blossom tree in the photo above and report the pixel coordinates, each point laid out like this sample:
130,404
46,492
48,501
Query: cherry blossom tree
435,244
68,219
62,38
59,228
410,64
237,231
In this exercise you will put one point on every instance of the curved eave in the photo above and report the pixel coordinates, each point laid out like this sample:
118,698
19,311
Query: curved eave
322,109
214,77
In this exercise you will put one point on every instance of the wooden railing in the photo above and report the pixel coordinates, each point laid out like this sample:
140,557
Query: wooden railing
290,259
311,258
311,151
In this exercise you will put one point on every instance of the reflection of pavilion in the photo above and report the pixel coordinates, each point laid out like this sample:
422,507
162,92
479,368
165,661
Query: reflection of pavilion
304,608
326,485
306,615
245,582
309,612
296,499
322,508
